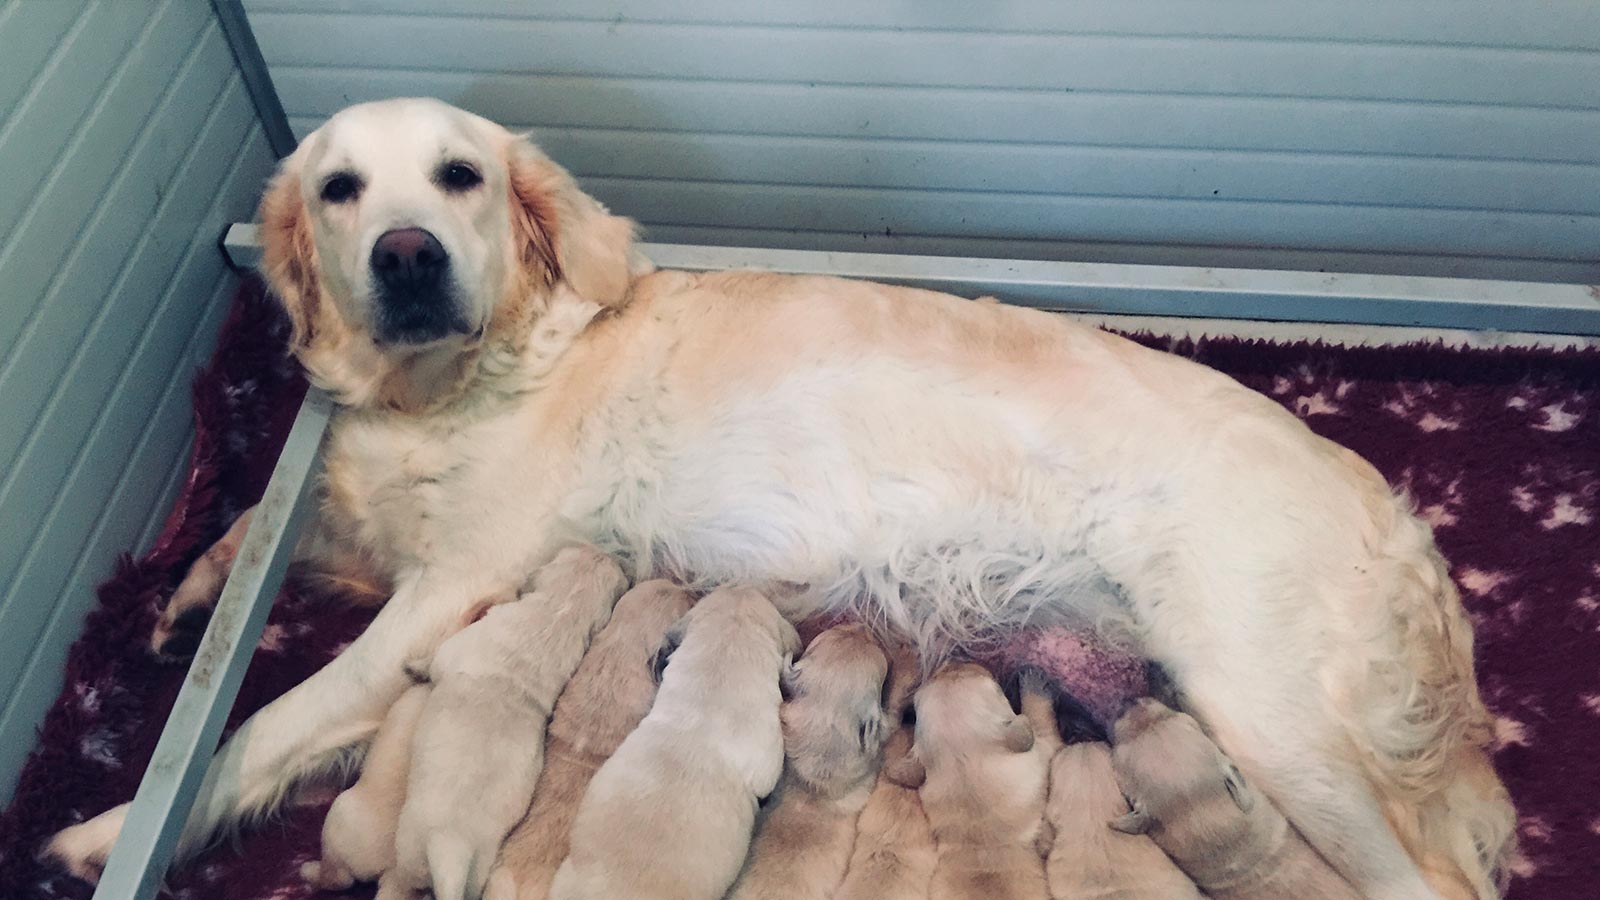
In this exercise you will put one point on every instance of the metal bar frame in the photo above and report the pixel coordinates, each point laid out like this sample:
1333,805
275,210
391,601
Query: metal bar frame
149,837
1186,291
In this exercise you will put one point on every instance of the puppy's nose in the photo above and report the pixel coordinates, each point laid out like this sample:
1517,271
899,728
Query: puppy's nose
408,258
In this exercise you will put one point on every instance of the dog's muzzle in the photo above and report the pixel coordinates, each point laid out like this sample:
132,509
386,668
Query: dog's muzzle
416,300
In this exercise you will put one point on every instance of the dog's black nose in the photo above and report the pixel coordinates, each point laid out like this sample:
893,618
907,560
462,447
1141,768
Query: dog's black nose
408,258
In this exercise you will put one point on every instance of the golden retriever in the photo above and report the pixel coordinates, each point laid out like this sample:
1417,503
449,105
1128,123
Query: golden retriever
670,814
607,697
894,854
358,834
984,781
1194,803
511,377
833,731
479,746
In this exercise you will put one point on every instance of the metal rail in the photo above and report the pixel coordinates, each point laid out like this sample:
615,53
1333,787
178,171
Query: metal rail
149,836
1184,291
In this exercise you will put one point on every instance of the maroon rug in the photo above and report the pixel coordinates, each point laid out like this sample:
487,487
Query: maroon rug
1501,450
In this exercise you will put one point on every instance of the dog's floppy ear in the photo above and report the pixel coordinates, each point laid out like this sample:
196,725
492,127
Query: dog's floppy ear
288,254
907,771
563,234
1019,735
1135,821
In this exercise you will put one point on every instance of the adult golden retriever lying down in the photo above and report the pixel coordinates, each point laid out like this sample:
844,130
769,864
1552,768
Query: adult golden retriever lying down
512,377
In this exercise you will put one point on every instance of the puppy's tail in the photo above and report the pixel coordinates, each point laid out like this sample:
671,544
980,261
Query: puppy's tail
457,871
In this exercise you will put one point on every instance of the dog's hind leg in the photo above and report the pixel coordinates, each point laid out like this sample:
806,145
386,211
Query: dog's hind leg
1300,758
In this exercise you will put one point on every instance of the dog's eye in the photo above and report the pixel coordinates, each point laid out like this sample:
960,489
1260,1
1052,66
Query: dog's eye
458,176
340,188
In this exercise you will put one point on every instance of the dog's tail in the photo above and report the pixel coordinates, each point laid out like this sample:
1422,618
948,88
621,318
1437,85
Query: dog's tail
457,870
1426,730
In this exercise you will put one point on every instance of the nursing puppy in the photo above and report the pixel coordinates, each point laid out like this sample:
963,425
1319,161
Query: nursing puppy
1193,802
1087,860
358,834
479,746
894,855
670,814
833,731
609,694
985,780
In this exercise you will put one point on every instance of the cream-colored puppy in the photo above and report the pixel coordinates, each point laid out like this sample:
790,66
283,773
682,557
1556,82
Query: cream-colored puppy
833,731
479,746
609,694
1087,860
1193,802
358,834
984,788
670,814
894,854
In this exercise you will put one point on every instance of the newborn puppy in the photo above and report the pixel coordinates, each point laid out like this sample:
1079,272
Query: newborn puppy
1228,838
479,746
894,856
669,816
358,834
608,695
833,730
984,788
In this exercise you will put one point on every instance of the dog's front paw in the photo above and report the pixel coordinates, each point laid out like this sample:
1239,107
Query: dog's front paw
82,849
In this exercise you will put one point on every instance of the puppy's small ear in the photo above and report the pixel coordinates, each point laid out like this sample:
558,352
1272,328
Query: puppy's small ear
669,644
1134,821
871,730
1019,735
907,771
789,680
1233,780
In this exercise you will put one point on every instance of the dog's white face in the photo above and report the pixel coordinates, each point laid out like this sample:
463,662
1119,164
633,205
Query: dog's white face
403,234
407,202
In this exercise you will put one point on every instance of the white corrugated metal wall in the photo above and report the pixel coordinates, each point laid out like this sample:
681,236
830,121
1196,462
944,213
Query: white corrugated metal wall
127,142
1457,137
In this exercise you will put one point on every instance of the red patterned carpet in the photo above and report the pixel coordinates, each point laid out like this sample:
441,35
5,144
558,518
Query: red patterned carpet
1500,449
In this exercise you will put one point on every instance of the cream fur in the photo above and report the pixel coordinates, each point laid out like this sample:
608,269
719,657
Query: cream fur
833,732
987,778
1188,798
949,467
358,834
479,746
608,696
669,816
894,855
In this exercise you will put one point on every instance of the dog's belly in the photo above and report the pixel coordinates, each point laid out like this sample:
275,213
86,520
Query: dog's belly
955,506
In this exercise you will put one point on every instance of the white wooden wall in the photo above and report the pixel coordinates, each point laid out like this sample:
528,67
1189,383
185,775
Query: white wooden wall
126,144
1455,137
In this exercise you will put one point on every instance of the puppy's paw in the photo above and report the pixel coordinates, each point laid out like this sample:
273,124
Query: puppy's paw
327,876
